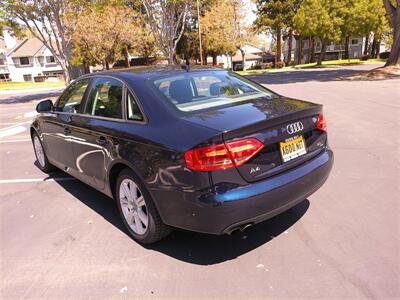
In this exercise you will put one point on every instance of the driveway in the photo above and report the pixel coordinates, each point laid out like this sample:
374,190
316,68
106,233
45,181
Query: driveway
60,238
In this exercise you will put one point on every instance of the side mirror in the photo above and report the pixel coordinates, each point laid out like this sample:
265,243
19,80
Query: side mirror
44,106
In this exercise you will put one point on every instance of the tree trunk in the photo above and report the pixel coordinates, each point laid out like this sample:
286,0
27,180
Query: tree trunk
366,45
107,65
322,54
170,57
373,47
67,76
204,57
346,47
299,50
394,14
231,62
214,56
312,58
243,59
86,69
290,41
309,50
394,57
279,44
126,57
378,47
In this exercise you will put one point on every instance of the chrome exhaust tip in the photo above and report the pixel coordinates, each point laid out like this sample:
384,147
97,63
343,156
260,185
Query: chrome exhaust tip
241,228
246,227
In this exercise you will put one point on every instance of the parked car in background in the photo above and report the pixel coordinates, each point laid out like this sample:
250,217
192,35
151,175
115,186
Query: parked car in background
200,149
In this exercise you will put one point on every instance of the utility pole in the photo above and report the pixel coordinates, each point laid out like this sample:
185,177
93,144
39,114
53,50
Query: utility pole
198,21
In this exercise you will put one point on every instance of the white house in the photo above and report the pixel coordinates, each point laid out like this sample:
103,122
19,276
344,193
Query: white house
26,60
333,50
253,57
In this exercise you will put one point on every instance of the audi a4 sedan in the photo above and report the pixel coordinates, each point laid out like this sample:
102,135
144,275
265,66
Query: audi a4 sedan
199,149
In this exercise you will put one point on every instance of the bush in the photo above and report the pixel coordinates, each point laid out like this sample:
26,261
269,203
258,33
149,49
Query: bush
255,67
365,57
266,65
279,64
384,55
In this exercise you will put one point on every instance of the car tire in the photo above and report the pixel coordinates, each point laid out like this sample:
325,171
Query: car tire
41,157
137,209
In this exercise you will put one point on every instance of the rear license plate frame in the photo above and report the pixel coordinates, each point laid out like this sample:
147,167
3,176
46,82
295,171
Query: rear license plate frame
293,148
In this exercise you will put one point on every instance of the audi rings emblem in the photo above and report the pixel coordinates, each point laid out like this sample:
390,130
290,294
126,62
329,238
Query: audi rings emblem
294,127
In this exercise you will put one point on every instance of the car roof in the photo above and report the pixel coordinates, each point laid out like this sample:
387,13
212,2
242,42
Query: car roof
149,72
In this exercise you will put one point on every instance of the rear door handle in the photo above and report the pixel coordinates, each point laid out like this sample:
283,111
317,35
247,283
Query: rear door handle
102,140
67,130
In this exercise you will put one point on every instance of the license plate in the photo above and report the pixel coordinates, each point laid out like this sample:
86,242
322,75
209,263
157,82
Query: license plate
293,148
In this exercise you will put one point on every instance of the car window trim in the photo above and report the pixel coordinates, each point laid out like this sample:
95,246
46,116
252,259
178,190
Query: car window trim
127,92
86,95
124,100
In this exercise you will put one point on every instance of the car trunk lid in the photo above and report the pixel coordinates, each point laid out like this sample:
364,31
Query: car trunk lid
268,121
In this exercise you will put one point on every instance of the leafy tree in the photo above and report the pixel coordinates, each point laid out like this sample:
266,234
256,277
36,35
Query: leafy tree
101,38
366,16
322,19
275,16
167,20
393,10
218,28
189,45
51,21
224,30
243,34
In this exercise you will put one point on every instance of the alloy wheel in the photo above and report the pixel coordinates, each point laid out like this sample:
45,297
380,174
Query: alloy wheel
39,151
133,206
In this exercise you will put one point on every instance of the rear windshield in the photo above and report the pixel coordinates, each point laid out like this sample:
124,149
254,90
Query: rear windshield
193,91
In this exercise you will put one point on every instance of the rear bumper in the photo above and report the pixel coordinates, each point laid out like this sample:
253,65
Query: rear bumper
219,213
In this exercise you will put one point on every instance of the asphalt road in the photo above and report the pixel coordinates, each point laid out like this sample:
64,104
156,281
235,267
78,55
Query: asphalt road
59,238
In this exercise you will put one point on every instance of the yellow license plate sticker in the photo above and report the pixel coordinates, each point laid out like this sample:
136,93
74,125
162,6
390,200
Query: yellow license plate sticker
293,148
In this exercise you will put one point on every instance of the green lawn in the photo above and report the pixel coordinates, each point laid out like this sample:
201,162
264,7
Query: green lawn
325,64
343,62
29,85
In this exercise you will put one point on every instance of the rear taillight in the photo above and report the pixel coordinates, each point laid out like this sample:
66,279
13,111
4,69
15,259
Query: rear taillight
222,156
321,123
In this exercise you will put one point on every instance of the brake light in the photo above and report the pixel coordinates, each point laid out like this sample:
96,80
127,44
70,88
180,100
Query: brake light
222,156
321,123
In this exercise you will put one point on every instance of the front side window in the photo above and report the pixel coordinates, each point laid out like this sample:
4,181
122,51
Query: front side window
71,99
105,98
207,90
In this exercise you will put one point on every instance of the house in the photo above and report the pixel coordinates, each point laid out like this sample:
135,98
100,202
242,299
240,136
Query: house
26,60
333,50
253,57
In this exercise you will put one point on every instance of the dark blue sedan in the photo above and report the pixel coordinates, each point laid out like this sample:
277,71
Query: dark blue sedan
202,149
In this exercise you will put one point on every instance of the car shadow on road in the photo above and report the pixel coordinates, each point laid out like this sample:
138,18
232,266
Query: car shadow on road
190,247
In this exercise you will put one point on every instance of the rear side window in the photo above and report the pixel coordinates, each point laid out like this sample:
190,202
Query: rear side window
134,112
71,99
105,99
194,91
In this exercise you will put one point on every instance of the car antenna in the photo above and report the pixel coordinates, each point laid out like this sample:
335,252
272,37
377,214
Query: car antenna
186,66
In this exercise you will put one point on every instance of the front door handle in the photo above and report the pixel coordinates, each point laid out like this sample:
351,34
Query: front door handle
102,140
67,131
